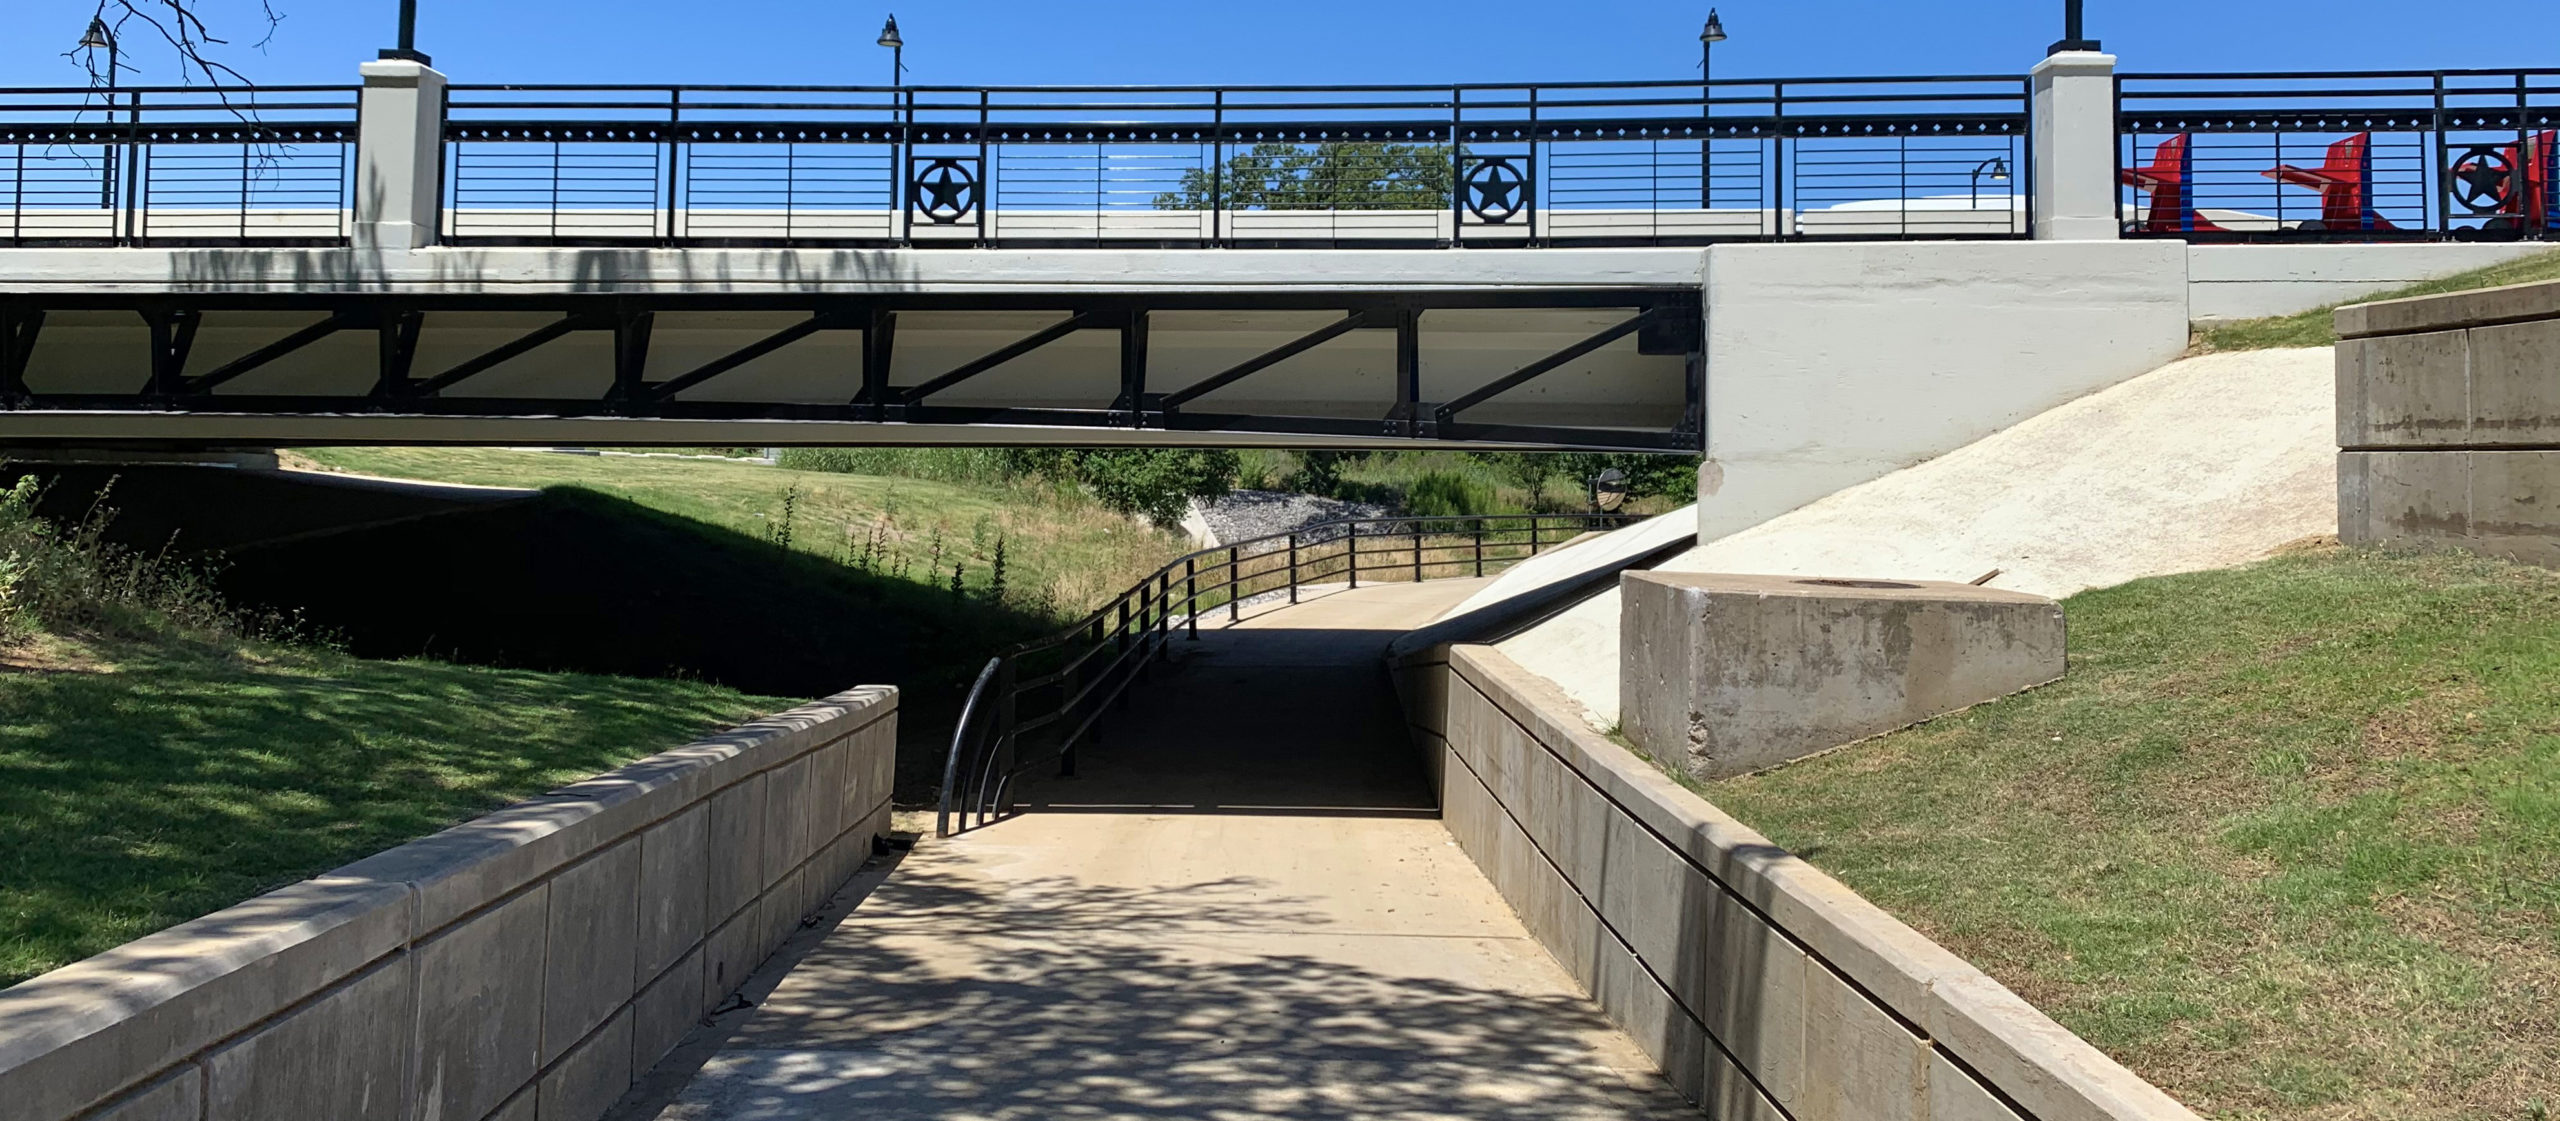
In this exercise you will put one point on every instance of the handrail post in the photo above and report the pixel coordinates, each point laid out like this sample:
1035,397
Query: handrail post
1479,547
1352,541
1235,584
1191,596
1293,567
1417,552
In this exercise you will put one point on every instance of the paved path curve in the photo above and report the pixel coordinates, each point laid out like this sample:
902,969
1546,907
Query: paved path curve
1245,909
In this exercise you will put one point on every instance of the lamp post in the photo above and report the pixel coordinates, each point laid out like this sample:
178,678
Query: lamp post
897,52
408,51
2072,37
1998,167
101,37
1708,37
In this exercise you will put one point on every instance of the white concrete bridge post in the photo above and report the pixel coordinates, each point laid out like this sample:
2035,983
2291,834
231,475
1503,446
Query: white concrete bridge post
399,155
2075,147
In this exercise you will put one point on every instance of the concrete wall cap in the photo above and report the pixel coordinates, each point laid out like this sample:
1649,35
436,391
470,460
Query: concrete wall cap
76,1035
2075,63
398,73
2508,304
1836,587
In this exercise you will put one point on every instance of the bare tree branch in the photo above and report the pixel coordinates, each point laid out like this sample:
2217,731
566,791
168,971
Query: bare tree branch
177,24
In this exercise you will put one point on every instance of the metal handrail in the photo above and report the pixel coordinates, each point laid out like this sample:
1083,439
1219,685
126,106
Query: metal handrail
989,751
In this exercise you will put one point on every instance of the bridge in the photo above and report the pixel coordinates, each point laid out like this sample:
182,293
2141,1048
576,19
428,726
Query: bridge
1565,265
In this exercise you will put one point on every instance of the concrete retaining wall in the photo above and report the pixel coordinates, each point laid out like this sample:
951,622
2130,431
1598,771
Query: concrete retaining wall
1764,988
2449,422
2249,281
531,962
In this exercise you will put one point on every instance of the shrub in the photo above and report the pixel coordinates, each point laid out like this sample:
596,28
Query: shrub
1441,494
71,578
941,465
1156,483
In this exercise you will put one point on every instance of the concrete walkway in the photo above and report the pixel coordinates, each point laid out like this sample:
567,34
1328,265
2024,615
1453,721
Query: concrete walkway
1245,908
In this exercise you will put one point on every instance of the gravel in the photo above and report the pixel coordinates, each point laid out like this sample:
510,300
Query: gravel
1247,514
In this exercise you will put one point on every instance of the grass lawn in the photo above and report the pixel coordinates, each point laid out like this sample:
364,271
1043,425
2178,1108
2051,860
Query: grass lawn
1063,553
2286,841
146,783
2318,326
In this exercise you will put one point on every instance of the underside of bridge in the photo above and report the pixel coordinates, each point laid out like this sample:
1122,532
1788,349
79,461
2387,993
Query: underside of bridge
1615,368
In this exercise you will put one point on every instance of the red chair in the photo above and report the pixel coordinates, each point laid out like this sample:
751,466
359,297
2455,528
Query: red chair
2345,183
2539,202
2171,182
2525,182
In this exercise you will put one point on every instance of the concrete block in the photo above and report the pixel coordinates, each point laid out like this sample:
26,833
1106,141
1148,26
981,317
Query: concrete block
2422,496
1652,898
593,927
729,956
674,866
593,1074
2404,390
480,988
2515,505
786,819
664,1011
79,1035
1758,1013
1957,1096
2540,300
2052,1074
1659,1026
2515,383
521,1107
736,849
778,914
1859,1063
1723,675
344,1056
176,1096
1727,1094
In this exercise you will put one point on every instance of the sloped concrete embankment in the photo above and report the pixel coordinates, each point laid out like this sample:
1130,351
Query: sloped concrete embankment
1763,988
535,960
2204,463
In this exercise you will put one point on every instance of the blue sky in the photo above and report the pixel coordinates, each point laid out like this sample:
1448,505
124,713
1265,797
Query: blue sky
1331,41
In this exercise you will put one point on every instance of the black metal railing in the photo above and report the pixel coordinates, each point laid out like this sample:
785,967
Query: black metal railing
1036,703
2356,155
1580,163
177,166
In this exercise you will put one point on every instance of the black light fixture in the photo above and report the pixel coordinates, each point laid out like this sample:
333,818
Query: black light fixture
2072,37
1714,32
1997,167
101,37
408,51
897,51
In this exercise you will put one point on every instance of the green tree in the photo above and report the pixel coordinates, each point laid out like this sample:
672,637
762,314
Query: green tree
1365,176
1156,483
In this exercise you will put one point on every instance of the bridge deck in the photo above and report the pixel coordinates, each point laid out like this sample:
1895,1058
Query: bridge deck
1246,908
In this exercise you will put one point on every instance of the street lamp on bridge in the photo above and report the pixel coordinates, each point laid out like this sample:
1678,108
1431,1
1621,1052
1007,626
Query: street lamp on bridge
101,37
1708,37
897,51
